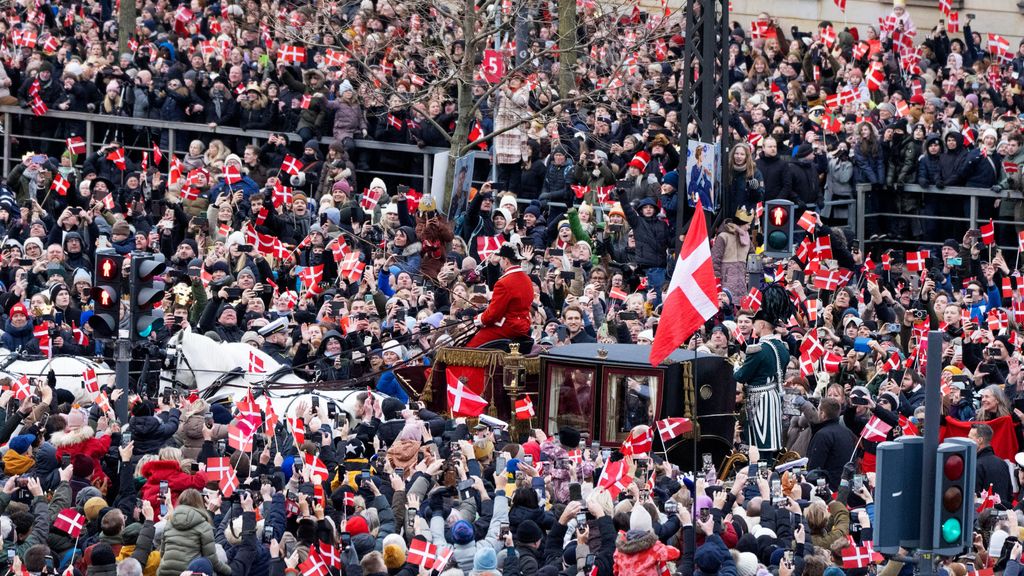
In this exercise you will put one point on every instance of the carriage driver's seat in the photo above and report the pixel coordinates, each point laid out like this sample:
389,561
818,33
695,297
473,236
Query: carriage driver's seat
525,344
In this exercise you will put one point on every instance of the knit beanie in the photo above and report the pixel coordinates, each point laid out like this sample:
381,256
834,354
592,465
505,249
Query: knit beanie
394,551
93,506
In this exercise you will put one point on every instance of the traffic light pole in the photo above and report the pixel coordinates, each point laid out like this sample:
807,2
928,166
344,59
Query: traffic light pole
932,415
122,357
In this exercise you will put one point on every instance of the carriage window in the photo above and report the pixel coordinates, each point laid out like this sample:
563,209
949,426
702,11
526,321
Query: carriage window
570,398
632,401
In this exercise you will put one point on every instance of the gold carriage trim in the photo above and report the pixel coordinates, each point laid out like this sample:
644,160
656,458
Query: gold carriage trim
491,359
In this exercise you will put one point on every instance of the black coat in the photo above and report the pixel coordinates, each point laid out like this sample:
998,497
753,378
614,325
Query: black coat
652,235
992,469
805,184
952,161
830,449
151,433
929,168
778,182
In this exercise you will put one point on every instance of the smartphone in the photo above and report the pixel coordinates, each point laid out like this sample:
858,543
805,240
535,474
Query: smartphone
568,274
163,487
528,459
65,460
581,522
245,248
628,315
671,507
49,564
957,261
25,261
501,462
464,488
234,293
858,482
268,534
705,513
346,540
503,531
480,289
39,159
787,556
575,492
195,467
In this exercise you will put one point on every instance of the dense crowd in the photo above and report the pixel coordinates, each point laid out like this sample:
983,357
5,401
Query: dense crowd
276,247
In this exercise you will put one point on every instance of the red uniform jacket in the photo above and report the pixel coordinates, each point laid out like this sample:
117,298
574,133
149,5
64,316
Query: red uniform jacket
508,314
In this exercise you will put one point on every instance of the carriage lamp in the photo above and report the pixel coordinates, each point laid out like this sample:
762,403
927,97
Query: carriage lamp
511,371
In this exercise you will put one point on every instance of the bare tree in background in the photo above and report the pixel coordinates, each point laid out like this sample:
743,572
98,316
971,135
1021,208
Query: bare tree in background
420,61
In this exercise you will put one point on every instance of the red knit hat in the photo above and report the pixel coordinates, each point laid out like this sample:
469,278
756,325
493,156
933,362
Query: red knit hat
19,308
357,525
640,160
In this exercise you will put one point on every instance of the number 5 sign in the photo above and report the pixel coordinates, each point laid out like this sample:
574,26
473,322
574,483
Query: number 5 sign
493,66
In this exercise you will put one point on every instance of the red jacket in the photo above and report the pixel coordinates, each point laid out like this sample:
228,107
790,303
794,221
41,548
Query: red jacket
510,304
83,441
177,481
643,555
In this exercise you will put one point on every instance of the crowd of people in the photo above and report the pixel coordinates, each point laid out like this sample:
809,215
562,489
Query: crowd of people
275,246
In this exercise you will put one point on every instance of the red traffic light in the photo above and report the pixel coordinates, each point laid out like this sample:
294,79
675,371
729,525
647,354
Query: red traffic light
108,269
953,467
778,216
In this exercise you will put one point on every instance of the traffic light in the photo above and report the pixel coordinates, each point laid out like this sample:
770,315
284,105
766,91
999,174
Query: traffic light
778,228
106,295
953,524
146,293
898,494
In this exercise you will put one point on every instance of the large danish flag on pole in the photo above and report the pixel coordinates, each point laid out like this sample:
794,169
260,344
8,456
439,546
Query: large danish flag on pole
692,294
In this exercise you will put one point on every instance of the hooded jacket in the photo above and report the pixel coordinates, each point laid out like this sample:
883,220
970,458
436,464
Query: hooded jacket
952,160
901,162
652,236
82,440
150,433
169,471
929,167
187,536
640,553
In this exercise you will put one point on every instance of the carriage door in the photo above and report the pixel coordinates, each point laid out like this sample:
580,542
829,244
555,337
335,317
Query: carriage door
572,395
632,398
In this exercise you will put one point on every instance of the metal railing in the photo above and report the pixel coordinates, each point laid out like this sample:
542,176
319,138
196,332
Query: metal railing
951,226
423,157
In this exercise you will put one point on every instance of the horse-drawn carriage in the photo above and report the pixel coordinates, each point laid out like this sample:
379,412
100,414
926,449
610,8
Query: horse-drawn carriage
602,390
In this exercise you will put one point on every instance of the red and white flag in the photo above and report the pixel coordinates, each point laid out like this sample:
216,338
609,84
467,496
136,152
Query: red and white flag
219,467
291,165
915,260
524,408
89,381
423,554
256,363
860,556
988,233
615,478
117,157
751,301
70,522
692,296
317,468
290,53
461,400
875,430
638,442
670,428
60,185
487,245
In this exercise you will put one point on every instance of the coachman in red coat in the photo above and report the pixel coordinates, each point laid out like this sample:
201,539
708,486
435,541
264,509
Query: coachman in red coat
508,314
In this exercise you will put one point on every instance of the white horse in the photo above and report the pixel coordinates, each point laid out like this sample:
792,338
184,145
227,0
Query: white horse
223,370
70,370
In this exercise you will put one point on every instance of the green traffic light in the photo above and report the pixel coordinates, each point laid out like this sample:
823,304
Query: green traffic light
951,530
777,240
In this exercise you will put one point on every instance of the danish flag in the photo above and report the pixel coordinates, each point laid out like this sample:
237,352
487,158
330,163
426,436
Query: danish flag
240,435
998,45
860,556
752,301
487,245
461,400
38,106
256,363
831,362
370,198
89,381
103,403
317,467
60,185
953,22
876,430
876,76
423,554
282,195
339,249
22,388
329,552
76,145
312,275
945,6
117,157
334,58
915,260
218,467
808,221
892,363
290,53
692,295
828,36
524,408
291,165
617,293
615,478
670,428
189,193
638,442
228,483
70,522
988,233
759,29
811,347
232,175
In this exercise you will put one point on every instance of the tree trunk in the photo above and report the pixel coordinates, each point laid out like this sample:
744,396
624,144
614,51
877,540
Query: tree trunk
125,24
466,111
566,46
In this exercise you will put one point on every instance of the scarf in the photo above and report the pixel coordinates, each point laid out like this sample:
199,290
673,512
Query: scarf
15,463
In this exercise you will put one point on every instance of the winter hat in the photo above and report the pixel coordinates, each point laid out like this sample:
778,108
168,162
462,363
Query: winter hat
221,414
18,308
617,210
804,150
103,555
569,437
707,559
85,494
378,183
356,525
485,559
76,418
394,551
201,565
21,443
746,564
990,132
121,227
640,161
640,520
528,532
532,209
462,532
830,571
81,275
